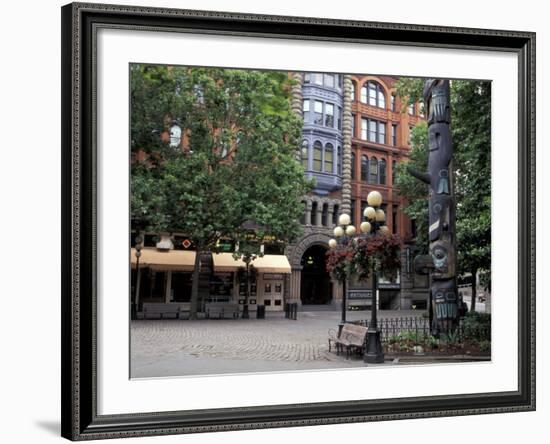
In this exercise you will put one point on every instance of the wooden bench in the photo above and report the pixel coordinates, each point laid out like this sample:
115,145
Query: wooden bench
219,311
351,338
153,310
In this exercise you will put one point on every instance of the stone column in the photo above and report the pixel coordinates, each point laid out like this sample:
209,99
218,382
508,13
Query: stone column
296,104
308,213
295,284
319,215
346,134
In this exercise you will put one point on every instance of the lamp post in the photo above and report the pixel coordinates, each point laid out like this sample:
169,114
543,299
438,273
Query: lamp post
375,222
139,246
343,233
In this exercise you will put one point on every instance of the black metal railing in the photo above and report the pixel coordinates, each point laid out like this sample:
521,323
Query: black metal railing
419,327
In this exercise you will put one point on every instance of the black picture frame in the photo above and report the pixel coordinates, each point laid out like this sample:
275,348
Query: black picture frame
80,420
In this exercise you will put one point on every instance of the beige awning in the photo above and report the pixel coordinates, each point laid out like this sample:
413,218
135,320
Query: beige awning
176,260
269,263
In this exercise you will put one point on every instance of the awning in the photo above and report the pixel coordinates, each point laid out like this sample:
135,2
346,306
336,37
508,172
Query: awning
269,263
176,260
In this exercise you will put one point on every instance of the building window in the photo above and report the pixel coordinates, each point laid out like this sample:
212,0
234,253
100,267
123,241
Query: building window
317,79
393,172
394,219
364,168
305,150
353,165
324,215
305,109
335,215
382,171
373,170
364,204
364,128
352,210
392,102
353,125
339,118
411,109
352,92
394,134
363,94
303,216
381,132
329,158
317,155
307,77
339,161
329,80
329,115
318,115
376,94
313,220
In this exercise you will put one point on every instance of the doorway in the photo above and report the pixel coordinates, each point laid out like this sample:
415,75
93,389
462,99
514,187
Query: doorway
316,288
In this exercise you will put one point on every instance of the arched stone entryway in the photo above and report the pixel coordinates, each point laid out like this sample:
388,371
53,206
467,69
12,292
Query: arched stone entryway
318,238
316,287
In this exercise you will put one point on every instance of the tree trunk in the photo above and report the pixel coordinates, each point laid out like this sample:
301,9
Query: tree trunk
195,286
474,291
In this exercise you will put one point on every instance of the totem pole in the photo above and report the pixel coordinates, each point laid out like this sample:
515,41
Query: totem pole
441,261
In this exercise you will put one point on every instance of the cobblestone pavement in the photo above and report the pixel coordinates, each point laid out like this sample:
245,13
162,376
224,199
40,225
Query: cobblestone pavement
182,347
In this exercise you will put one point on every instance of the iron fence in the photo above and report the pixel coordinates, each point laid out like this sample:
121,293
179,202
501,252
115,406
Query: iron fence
419,327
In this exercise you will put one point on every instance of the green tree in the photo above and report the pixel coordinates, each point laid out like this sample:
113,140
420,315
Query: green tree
471,133
239,166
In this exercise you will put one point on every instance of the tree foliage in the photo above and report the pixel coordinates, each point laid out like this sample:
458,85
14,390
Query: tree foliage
239,163
471,135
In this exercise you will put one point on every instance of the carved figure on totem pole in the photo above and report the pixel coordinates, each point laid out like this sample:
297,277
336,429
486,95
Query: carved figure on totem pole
442,214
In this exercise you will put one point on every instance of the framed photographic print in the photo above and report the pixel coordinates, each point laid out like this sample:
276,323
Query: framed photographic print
275,221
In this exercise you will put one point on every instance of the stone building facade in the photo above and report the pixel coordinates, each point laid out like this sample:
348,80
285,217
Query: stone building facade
356,129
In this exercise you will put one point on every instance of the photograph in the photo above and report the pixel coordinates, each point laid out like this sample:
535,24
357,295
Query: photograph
294,221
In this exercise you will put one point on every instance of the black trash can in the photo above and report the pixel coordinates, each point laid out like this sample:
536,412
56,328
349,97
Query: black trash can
260,312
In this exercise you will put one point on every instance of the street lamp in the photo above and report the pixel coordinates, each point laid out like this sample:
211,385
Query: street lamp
375,222
343,233
139,246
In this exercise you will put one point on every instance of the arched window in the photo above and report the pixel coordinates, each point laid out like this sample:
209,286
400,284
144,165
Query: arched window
373,170
303,216
353,165
313,220
329,158
376,94
382,170
317,156
364,95
324,215
335,215
304,154
364,168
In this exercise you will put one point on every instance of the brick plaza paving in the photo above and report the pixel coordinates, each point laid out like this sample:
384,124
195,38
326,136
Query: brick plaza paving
202,347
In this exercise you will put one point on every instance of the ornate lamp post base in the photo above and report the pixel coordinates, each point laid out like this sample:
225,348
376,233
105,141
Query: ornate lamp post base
373,351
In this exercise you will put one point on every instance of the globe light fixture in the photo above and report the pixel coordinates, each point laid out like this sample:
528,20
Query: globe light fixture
332,243
380,216
338,231
369,213
374,199
365,227
350,230
344,219
384,230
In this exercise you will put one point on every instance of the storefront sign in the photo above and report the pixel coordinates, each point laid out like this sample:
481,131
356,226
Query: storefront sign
273,277
359,294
